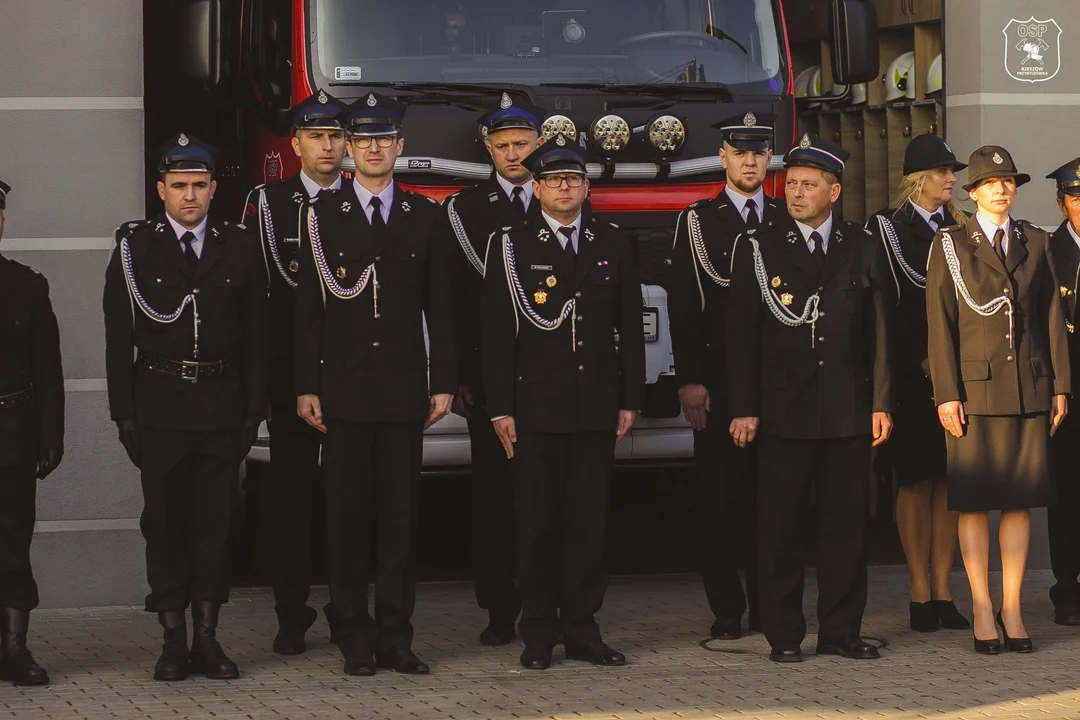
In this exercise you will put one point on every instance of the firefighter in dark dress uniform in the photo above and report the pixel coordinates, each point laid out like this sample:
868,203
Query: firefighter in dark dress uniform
31,445
278,210
561,393
701,267
1062,517
471,216
371,272
186,360
809,379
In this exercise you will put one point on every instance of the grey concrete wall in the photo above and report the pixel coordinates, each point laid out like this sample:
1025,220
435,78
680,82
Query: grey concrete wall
72,148
1038,122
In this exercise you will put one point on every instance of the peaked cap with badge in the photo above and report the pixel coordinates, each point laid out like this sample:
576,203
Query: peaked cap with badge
512,115
748,131
319,111
373,115
558,155
187,153
4,190
992,161
814,152
1067,178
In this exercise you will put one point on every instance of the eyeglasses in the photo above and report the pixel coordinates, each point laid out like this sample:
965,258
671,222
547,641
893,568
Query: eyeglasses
556,181
364,142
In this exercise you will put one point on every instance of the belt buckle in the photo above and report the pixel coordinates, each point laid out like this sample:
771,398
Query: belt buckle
189,370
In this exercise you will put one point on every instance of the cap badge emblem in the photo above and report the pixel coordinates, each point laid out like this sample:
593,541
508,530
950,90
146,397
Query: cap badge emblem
749,119
371,101
505,101
560,141
787,298
775,282
322,97
947,146
997,159
1078,170
551,281
540,297
183,141
805,142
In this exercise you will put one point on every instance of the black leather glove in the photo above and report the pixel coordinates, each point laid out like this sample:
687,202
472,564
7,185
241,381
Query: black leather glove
47,462
129,438
250,434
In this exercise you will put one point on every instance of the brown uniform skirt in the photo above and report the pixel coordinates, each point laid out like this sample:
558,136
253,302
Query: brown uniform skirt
1001,463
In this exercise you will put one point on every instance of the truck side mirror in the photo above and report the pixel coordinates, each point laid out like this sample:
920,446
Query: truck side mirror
198,32
854,41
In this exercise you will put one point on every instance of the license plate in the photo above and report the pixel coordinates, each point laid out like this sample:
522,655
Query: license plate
650,319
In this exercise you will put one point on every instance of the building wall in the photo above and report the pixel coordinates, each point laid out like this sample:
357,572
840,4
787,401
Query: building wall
71,146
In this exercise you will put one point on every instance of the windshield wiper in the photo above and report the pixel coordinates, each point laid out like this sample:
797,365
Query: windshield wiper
656,89
441,89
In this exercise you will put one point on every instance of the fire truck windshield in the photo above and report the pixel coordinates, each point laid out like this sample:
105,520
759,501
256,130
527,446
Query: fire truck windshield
731,42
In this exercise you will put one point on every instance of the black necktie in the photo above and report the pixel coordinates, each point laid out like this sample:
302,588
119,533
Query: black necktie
999,244
568,233
377,223
518,201
189,252
936,221
323,192
819,249
752,220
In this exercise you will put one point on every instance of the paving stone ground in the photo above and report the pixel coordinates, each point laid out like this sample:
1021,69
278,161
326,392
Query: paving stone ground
101,662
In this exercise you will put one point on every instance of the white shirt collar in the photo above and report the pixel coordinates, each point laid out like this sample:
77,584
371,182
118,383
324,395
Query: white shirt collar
200,231
926,214
313,187
739,201
364,196
824,231
990,229
1075,237
555,225
508,188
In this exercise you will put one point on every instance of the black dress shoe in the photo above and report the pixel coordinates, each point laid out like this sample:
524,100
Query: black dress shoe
1067,616
852,648
786,655
1020,645
597,652
499,631
986,647
17,664
725,630
172,665
359,662
536,656
207,656
292,626
922,616
401,660
950,617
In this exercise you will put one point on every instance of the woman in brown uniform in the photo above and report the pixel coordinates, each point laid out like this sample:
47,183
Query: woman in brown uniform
916,451
999,363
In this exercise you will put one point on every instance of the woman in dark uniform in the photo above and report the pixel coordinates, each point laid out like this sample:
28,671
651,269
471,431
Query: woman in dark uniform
916,452
999,362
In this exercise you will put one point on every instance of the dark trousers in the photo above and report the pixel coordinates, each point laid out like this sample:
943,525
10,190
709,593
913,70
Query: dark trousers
295,479
372,477
190,482
1063,518
725,505
560,499
492,523
18,491
833,475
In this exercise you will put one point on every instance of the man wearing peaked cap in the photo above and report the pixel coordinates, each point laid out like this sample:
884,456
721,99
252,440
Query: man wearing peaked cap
186,363
561,395
31,446
371,274
810,302
705,235
278,211
1062,517
470,217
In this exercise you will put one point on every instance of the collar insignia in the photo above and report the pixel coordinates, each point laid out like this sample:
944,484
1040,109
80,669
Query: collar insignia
159,227
544,234
346,206
298,197
215,231
405,206
505,102
589,235
493,197
792,236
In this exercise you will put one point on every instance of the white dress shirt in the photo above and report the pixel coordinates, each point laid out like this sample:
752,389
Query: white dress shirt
200,234
313,187
824,231
1075,237
364,196
739,201
508,188
555,225
989,229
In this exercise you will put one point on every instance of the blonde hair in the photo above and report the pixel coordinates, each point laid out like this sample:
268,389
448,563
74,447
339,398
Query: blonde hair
911,189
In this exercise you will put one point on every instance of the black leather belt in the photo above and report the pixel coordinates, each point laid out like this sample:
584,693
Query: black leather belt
18,399
189,370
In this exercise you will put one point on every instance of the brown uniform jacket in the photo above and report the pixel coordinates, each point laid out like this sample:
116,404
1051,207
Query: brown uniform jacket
971,356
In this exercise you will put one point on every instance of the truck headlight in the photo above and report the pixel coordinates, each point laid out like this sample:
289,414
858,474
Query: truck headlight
667,134
610,133
558,125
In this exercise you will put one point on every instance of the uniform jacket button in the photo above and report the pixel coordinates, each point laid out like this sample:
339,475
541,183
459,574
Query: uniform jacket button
821,338
821,363
577,294
1009,358
375,344
196,291
581,368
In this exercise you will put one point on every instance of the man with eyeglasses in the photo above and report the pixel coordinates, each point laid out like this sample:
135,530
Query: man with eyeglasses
561,393
705,237
370,274
471,216
277,209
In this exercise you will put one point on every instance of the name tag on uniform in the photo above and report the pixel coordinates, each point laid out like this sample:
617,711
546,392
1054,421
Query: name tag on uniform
290,240
540,267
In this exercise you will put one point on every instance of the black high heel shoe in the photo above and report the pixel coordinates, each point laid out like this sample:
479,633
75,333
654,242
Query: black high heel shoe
1020,645
986,647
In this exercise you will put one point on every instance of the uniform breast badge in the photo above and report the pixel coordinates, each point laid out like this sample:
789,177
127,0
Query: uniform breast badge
340,272
1064,291
775,282
787,298
294,266
551,281
1070,327
540,297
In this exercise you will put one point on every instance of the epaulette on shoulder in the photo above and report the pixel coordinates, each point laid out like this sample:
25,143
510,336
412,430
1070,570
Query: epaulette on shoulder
419,196
271,184
698,204
128,229
613,225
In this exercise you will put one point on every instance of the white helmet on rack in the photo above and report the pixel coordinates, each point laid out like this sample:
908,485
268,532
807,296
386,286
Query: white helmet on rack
933,76
899,83
858,94
808,84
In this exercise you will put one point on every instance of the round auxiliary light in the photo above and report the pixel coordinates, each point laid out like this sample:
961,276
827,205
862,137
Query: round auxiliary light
667,134
558,125
610,133
573,32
